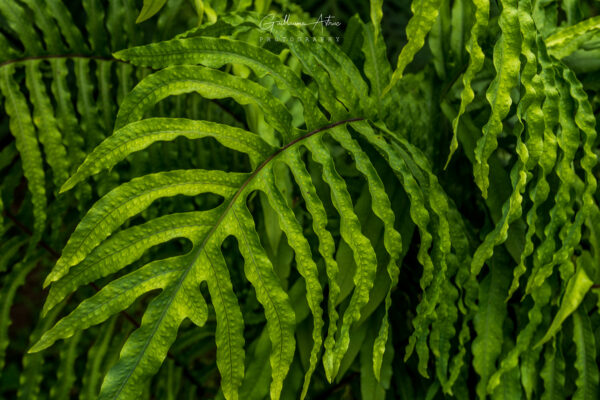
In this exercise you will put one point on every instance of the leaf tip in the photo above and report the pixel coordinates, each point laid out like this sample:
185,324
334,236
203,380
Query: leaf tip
37,347
120,55
49,279
68,185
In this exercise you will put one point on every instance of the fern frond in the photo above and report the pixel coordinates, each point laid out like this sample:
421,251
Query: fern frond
14,14
87,237
202,50
487,346
140,135
364,254
477,58
585,347
424,14
560,215
216,52
377,67
506,62
126,200
234,219
577,288
43,117
210,84
553,372
27,144
566,40
525,337
529,148
150,8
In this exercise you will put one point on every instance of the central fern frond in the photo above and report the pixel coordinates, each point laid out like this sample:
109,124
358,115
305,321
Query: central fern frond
336,109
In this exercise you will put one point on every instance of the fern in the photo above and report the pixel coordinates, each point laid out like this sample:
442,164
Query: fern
144,352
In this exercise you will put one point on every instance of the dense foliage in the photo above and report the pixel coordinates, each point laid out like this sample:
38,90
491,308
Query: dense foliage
247,199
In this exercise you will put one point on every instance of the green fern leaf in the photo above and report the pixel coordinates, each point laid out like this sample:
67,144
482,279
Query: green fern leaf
425,13
24,132
477,58
392,240
587,380
14,14
209,83
577,288
377,67
216,52
150,8
126,247
567,39
125,201
139,135
506,62
553,372
363,253
487,346
530,111
43,117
